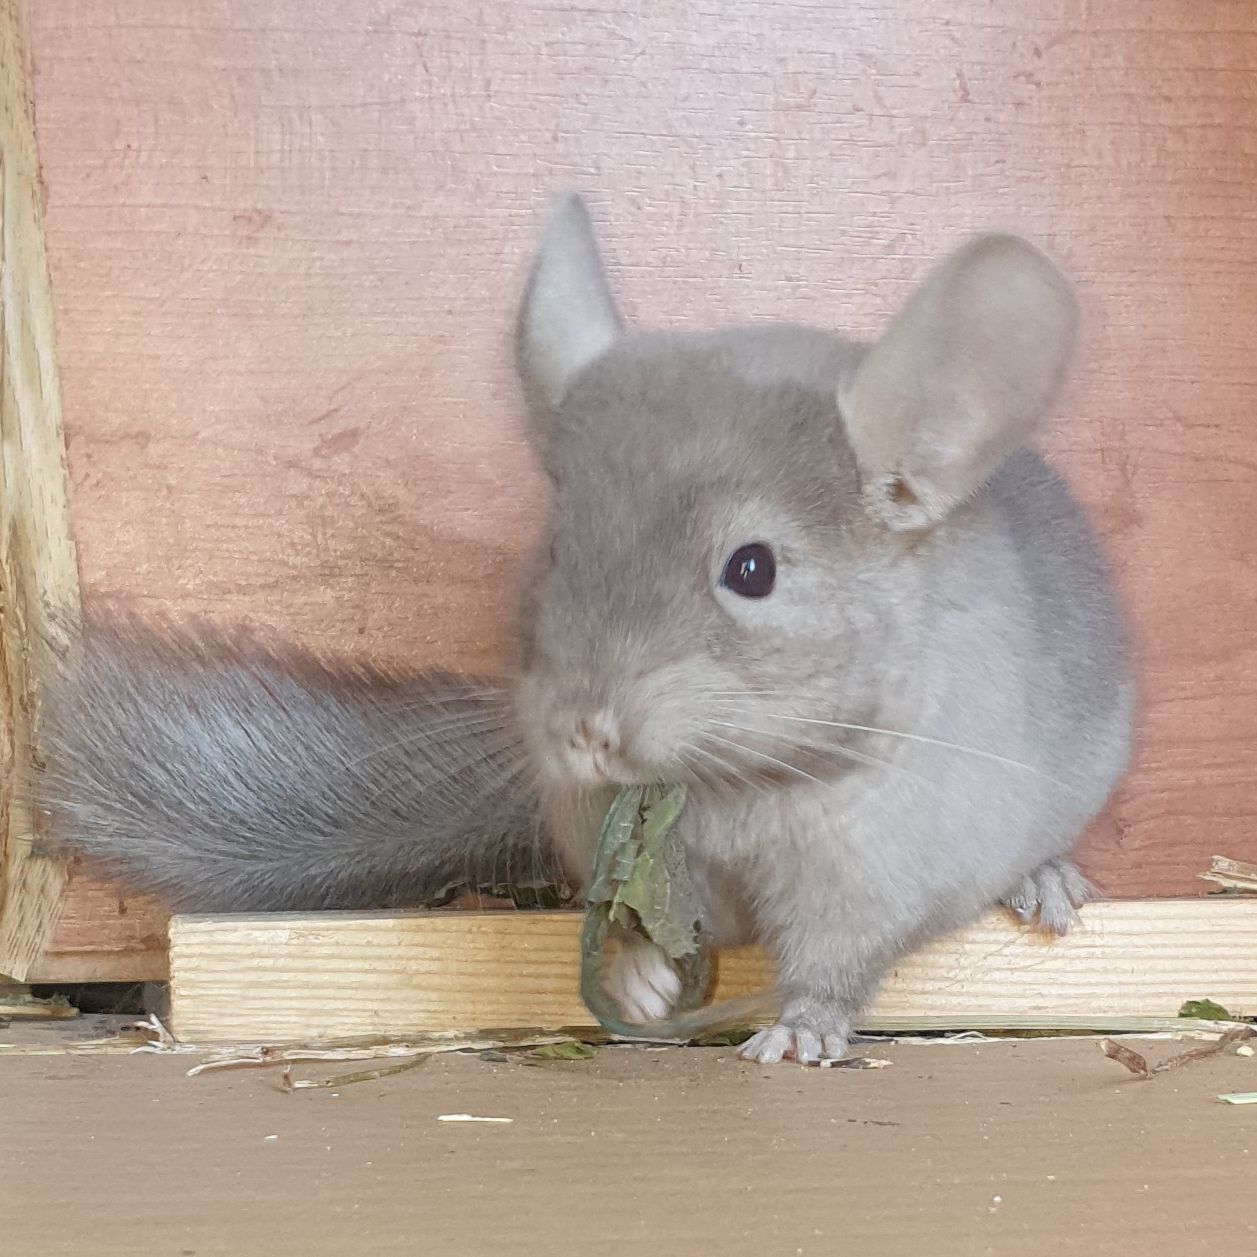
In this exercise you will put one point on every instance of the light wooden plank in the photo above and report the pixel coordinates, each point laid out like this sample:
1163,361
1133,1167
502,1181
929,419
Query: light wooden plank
63,968
104,934
337,976
38,576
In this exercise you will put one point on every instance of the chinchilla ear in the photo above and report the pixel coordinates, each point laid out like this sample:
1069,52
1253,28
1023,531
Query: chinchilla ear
959,380
567,317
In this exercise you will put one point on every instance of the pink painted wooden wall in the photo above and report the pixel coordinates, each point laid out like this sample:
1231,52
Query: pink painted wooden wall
286,237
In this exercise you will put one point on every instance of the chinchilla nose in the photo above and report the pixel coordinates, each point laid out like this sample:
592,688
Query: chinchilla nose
594,734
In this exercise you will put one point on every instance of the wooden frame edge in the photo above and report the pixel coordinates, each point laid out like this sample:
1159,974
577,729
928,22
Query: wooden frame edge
334,977
38,573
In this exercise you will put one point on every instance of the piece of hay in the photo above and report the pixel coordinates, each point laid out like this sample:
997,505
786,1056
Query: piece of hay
1138,1065
1233,876
263,1056
288,1084
22,1006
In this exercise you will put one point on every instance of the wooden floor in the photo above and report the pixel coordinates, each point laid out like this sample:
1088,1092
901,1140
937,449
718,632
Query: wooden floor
1023,1148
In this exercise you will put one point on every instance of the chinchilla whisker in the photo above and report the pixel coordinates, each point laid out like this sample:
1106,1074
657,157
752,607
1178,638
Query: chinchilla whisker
725,773
830,751
772,759
698,772
942,743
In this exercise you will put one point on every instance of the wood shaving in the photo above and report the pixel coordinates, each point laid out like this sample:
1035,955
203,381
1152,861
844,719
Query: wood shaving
25,1007
1138,1065
263,1056
856,1062
1232,875
288,1084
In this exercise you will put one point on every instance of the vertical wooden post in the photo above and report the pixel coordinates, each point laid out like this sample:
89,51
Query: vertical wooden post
38,576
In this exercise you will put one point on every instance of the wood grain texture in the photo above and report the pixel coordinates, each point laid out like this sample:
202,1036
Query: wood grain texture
38,577
104,936
286,237
331,976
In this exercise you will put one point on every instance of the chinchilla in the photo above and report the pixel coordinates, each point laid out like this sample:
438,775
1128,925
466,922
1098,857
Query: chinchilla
830,587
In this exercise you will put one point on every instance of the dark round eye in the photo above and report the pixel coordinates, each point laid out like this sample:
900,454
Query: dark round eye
750,571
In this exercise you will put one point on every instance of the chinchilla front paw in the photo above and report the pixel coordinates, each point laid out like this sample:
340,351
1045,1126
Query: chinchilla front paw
1050,896
810,1031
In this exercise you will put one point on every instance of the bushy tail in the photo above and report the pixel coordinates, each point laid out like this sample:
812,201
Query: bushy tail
229,775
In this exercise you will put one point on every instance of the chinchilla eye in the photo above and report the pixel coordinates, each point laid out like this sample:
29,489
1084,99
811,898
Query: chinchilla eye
750,571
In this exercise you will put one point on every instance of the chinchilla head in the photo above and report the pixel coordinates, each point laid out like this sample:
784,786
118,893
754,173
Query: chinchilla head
739,519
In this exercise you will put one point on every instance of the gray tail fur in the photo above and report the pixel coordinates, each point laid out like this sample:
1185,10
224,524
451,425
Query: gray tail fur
225,774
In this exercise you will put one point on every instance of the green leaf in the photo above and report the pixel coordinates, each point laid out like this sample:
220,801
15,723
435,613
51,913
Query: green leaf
725,1038
571,1051
656,887
640,887
1204,1010
616,851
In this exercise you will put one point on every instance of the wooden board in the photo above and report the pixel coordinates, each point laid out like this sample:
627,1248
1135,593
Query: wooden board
1042,1149
285,239
38,578
335,976
104,936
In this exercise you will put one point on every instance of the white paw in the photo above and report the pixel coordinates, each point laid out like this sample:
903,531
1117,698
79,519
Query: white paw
800,1043
642,981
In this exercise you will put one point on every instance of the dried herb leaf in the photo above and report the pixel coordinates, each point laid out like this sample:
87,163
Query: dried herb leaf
1134,1061
641,888
657,886
726,1038
571,1051
1204,1010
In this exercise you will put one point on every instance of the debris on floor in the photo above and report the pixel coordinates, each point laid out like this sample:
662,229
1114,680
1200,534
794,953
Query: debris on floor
18,1004
856,1062
289,1084
1233,876
1138,1065
261,1056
